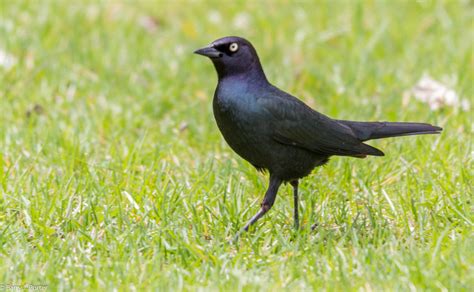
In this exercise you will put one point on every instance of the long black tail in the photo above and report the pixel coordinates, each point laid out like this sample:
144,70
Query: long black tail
376,130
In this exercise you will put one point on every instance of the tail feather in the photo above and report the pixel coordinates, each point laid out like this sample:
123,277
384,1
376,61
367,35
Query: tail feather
376,130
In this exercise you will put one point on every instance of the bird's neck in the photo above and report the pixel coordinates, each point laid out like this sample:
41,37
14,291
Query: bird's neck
247,72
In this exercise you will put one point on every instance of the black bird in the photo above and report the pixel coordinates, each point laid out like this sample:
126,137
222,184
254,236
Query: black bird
276,131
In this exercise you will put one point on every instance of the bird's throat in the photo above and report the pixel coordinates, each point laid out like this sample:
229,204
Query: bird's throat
250,71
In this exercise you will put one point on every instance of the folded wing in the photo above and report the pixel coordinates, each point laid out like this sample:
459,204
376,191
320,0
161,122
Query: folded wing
298,125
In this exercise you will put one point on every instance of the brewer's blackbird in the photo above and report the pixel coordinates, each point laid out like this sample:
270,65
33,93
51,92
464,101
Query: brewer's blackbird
277,132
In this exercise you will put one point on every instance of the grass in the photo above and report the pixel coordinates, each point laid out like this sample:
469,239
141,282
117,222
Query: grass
113,174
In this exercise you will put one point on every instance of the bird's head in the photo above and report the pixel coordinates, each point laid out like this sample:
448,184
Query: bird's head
232,56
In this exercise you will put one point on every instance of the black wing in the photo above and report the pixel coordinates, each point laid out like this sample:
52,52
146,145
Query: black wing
296,124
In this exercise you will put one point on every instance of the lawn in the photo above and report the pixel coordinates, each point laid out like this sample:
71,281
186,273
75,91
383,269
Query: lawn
113,174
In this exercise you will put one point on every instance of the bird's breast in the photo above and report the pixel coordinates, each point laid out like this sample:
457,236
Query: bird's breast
237,115
243,127
237,103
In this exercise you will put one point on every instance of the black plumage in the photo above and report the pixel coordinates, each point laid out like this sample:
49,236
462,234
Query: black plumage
275,131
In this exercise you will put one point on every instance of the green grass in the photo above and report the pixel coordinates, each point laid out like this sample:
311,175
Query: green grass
113,174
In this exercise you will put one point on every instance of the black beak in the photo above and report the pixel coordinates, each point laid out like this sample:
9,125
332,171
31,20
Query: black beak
209,51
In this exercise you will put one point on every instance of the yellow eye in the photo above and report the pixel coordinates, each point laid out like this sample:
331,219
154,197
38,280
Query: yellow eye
233,47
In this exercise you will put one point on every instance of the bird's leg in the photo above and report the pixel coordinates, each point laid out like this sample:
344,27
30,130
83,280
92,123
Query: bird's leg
295,200
266,204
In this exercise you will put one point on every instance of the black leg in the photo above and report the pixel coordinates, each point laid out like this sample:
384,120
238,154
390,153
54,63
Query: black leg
266,205
295,199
